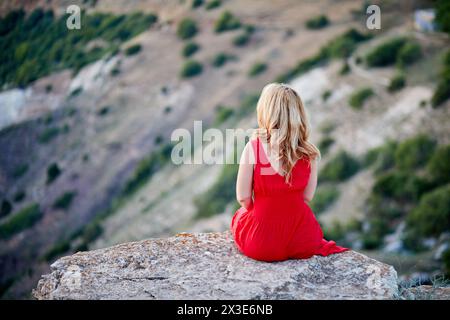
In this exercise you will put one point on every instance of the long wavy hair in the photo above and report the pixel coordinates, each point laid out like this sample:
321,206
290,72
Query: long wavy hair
284,126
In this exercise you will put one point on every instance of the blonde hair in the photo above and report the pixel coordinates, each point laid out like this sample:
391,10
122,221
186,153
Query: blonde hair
283,125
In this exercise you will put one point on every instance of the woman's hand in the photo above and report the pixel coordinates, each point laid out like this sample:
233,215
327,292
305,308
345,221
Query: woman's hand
247,203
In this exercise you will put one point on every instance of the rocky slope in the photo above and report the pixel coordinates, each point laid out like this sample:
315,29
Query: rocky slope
209,266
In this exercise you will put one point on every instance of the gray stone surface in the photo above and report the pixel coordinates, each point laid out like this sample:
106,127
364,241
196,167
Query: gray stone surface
426,292
209,266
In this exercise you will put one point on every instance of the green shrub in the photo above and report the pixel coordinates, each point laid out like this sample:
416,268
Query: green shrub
19,196
401,51
91,232
64,201
65,128
219,195
57,250
414,152
249,29
213,4
325,196
227,21
20,221
318,22
53,172
189,49
340,168
345,69
412,241
191,68
325,144
402,186
5,208
132,50
248,105
382,158
103,111
344,45
76,92
371,241
442,91
220,59
48,119
196,3
159,139
408,54
340,47
386,53
146,168
48,134
373,238
10,20
443,15
241,40
334,232
20,170
446,259
384,208
338,231
326,95
432,216
33,48
257,69
302,67
359,97
223,113
327,127
397,82
187,28
115,71
439,165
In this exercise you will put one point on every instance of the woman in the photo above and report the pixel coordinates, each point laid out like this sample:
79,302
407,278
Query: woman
277,178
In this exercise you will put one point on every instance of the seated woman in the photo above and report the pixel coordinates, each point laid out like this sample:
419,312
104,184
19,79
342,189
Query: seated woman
276,180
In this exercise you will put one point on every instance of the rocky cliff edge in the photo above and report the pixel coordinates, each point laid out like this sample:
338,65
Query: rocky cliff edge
209,266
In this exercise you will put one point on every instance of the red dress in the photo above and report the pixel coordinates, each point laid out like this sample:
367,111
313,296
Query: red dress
280,225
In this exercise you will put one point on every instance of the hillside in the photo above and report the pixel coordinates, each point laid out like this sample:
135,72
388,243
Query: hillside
86,145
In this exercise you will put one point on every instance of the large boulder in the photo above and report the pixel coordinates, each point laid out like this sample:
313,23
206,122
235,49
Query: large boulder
209,266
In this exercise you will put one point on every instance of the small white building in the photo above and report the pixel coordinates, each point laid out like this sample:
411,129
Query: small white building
424,20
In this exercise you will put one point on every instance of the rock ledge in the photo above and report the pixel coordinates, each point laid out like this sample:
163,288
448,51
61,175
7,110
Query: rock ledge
209,266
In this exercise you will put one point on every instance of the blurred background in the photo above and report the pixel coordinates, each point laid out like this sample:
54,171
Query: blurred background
86,118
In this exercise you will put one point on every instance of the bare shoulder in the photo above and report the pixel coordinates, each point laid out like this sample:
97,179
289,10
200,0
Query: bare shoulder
248,152
311,162
314,164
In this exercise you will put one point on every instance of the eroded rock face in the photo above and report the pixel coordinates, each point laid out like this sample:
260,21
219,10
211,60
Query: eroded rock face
209,266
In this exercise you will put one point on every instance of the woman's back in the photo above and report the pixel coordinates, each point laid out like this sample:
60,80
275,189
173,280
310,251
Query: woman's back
268,182
280,225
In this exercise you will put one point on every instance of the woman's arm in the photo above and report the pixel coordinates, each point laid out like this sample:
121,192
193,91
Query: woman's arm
310,189
244,187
